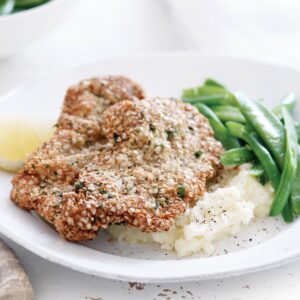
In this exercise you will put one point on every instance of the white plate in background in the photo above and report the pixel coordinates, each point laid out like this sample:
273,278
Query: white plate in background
262,245
20,29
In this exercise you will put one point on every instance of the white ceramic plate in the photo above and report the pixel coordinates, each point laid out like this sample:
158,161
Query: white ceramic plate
21,29
264,244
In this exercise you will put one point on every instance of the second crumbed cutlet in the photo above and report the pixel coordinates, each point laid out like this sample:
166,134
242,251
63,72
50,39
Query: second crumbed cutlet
115,158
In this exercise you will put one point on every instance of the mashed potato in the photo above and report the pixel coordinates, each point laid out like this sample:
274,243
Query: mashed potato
221,212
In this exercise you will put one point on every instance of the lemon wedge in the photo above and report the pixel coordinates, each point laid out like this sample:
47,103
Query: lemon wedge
18,138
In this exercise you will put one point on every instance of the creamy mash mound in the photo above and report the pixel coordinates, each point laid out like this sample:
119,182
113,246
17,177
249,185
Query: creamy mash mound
222,211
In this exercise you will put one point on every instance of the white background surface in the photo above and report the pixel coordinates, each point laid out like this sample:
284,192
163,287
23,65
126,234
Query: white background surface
97,29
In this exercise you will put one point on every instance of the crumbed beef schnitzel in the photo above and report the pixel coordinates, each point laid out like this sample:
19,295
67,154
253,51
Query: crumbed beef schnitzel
118,158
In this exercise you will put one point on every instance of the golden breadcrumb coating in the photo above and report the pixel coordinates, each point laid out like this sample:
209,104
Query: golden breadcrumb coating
117,159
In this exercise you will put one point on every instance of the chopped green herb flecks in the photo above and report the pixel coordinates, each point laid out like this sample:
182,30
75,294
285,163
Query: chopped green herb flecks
198,154
73,162
170,134
157,204
181,191
152,127
116,138
88,143
78,186
59,194
101,191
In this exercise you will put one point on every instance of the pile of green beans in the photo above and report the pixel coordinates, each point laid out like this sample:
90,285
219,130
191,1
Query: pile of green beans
251,132
11,6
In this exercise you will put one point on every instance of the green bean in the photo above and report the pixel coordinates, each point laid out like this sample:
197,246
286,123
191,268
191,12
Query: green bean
259,173
236,129
24,4
209,95
263,155
295,193
212,82
263,179
6,6
257,170
210,87
265,123
189,93
228,113
204,91
214,90
289,101
207,90
217,99
265,158
297,127
220,131
287,213
289,166
237,156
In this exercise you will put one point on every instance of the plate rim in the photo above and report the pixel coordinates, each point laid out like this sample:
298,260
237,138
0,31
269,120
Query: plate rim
53,258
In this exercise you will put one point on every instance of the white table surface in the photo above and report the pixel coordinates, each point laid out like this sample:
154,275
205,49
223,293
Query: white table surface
97,29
